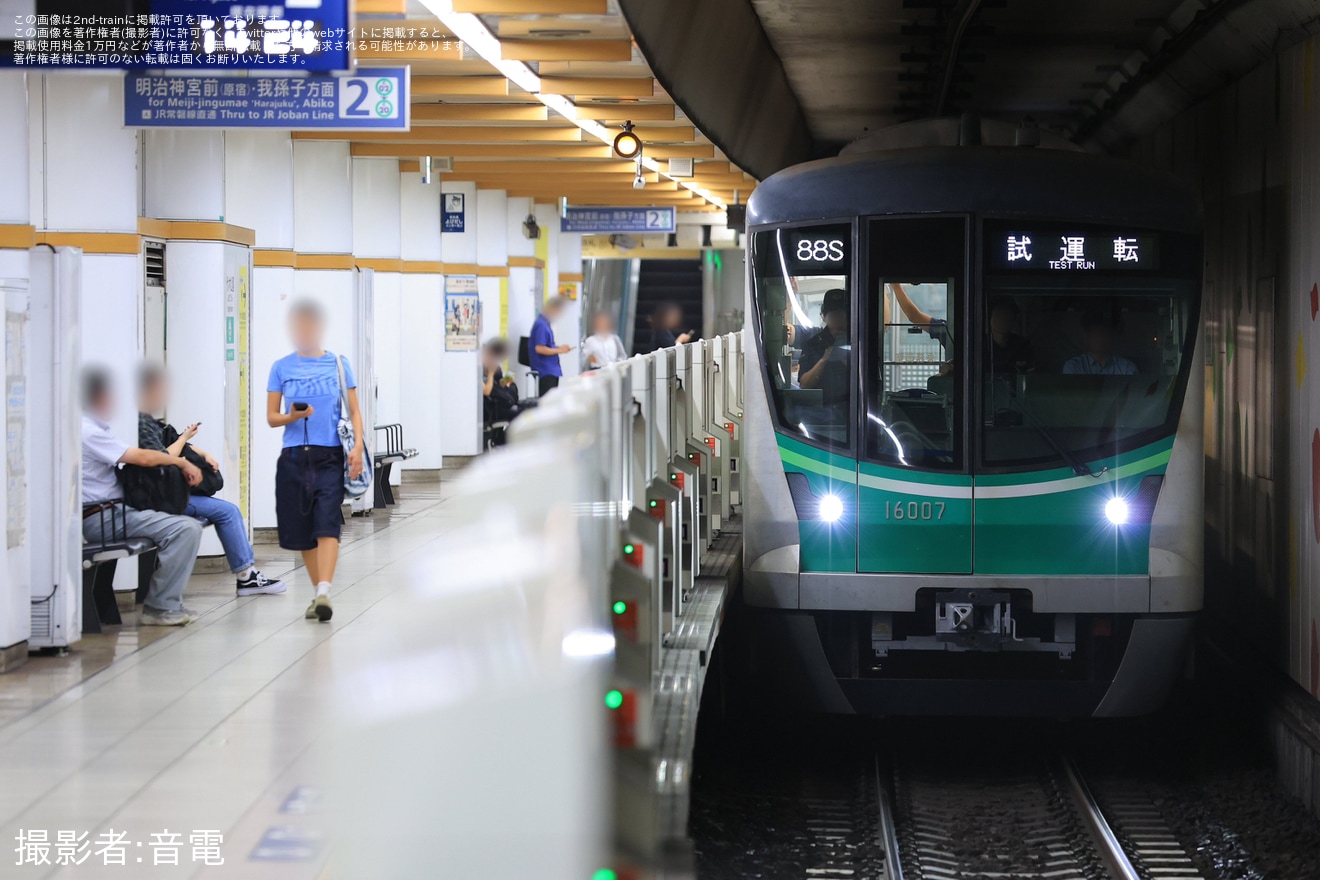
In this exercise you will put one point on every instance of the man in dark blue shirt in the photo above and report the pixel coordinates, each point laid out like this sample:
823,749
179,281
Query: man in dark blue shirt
542,351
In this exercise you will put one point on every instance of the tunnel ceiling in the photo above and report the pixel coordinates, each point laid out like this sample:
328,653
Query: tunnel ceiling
860,66
1100,73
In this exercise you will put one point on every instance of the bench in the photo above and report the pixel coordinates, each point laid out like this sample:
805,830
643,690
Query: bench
98,563
386,456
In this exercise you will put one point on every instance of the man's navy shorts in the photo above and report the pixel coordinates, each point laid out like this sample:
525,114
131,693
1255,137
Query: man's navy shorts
309,494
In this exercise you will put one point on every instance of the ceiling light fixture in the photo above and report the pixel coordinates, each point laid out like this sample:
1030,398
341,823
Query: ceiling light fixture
628,145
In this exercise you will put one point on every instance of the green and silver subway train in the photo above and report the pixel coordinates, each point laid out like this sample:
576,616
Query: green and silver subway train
973,449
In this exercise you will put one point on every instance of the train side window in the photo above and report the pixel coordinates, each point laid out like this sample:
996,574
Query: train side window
804,308
914,380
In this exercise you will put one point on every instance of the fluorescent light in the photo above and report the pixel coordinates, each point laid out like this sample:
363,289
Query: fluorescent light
470,30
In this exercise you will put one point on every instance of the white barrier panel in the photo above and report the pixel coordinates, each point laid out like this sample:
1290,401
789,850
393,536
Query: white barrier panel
475,730
472,732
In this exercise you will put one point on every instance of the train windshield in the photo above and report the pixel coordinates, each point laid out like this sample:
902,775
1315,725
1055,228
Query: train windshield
804,304
1082,357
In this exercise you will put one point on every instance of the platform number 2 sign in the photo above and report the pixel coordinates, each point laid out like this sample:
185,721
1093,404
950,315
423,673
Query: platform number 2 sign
369,97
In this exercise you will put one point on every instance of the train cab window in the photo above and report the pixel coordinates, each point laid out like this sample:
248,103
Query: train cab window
914,378
803,296
1085,359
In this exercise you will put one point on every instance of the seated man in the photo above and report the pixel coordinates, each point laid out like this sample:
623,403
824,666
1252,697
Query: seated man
1102,334
153,392
176,537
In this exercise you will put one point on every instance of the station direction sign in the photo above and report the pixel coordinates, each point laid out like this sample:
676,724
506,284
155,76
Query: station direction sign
604,219
368,99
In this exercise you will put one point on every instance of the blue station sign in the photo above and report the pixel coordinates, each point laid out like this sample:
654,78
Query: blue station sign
370,99
640,220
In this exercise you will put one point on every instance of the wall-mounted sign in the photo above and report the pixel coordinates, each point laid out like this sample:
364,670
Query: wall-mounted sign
302,35
590,220
453,212
462,313
375,98
568,289
1073,251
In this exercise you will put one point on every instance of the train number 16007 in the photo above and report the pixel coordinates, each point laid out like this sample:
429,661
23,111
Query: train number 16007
914,510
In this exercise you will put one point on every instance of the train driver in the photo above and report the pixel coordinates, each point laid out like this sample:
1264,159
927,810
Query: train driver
1009,351
825,358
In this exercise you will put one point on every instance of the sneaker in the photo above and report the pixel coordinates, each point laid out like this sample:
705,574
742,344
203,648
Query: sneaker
257,584
319,609
152,617
192,615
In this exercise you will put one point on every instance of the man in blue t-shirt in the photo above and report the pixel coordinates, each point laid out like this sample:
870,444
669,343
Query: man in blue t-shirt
542,350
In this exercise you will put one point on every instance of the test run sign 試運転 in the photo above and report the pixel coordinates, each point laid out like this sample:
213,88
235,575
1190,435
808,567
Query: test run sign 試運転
641,220
369,99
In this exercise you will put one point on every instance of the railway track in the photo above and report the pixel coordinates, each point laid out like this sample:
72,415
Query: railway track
949,821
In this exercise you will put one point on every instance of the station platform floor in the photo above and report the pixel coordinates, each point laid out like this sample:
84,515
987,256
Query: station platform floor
214,727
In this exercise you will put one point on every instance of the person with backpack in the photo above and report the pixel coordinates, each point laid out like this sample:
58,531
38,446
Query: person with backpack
107,515
154,433
307,395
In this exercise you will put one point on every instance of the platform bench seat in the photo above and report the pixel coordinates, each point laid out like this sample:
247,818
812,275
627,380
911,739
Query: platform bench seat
98,562
388,454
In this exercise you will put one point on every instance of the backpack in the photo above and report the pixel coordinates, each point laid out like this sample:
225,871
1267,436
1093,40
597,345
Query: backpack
212,482
524,351
160,487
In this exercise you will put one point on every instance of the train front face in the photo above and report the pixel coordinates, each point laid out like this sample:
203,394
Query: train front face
975,425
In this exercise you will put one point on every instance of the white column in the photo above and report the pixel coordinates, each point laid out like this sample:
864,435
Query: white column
376,236
323,224
418,309
15,274
207,284
88,182
259,196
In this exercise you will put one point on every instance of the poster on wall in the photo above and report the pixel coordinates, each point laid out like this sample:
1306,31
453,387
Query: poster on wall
16,426
462,313
453,212
568,289
235,459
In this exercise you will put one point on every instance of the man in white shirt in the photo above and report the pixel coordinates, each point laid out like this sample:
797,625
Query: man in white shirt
1099,358
603,346
176,537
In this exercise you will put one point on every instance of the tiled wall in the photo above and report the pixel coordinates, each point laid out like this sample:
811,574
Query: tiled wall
1253,150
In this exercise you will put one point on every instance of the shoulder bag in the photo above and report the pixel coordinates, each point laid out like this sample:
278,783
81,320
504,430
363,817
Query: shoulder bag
353,488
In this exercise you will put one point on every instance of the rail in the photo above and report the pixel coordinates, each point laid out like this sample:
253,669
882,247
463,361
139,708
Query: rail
555,643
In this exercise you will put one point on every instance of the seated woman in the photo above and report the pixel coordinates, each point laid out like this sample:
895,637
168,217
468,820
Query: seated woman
153,391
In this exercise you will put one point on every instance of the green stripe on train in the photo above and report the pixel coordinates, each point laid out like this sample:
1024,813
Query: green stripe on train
1031,523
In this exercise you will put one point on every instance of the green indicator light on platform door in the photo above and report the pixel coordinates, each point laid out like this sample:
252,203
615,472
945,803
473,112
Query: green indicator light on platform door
604,874
673,476
653,502
620,607
628,549
614,699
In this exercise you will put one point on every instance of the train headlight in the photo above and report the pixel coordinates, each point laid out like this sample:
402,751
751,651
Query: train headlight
831,508
1116,510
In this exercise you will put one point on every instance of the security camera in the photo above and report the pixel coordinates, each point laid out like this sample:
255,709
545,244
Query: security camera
531,229
639,181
